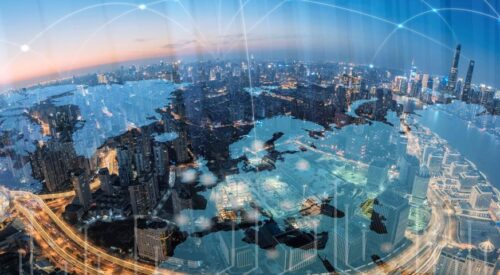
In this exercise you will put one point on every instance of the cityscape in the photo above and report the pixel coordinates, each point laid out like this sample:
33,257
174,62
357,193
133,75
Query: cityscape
254,163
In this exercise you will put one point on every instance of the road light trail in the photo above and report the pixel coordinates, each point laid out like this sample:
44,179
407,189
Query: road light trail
31,199
47,238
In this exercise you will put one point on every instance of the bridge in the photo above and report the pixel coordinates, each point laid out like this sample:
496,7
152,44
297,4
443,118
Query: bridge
74,250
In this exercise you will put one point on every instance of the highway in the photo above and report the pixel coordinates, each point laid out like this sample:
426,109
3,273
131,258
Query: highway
50,227
40,230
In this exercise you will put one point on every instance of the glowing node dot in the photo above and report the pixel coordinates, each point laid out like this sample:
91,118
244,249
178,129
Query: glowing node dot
25,48
400,26
434,10
371,66
142,7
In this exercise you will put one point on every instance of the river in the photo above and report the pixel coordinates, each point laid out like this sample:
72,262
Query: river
471,135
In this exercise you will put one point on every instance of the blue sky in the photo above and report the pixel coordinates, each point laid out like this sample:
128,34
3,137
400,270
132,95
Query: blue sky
66,35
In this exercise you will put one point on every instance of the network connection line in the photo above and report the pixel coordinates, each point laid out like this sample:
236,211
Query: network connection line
492,8
402,26
445,22
244,28
350,10
233,18
198,33
397,25
279,5
25,49
96,31
275,8
219,26
71,14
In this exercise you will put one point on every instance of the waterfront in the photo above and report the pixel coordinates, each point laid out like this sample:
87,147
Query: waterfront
476,144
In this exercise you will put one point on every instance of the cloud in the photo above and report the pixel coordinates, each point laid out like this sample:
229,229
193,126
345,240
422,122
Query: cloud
179,44
140,40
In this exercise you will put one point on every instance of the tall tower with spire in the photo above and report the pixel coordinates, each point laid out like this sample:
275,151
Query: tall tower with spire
468,78
452,79
413,76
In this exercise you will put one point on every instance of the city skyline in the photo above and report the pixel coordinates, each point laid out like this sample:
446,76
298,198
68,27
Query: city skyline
62,40
250,137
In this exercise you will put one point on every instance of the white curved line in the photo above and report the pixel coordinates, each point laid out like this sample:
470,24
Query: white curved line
455,38
258,22
198,33
492,8
65,17
421,34
82,45
233,18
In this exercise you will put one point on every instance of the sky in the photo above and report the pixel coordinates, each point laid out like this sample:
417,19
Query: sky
47,39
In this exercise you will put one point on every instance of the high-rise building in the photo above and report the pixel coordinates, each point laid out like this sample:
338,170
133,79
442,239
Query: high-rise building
180,146
480,197
467,180
425,82
450,157
398,85
52,163
161,159
82,189
428,149
420,185
153,239
144,194
435,163
458,167
459,86
452,79
377,173
408,169
348,243
124,165
389,220
436,82
467,85
105,179
460,261
139,163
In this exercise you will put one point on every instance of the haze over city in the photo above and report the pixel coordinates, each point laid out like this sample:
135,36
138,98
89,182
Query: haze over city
63,36
249,137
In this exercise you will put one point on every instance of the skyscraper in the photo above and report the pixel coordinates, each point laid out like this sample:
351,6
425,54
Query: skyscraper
153,239
389,219
161,159
408,169
420,186
481,196
124,165
377,174
82,189
425,82
144,194
105,179
452,79
481,260
468,79
51,162
348,243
